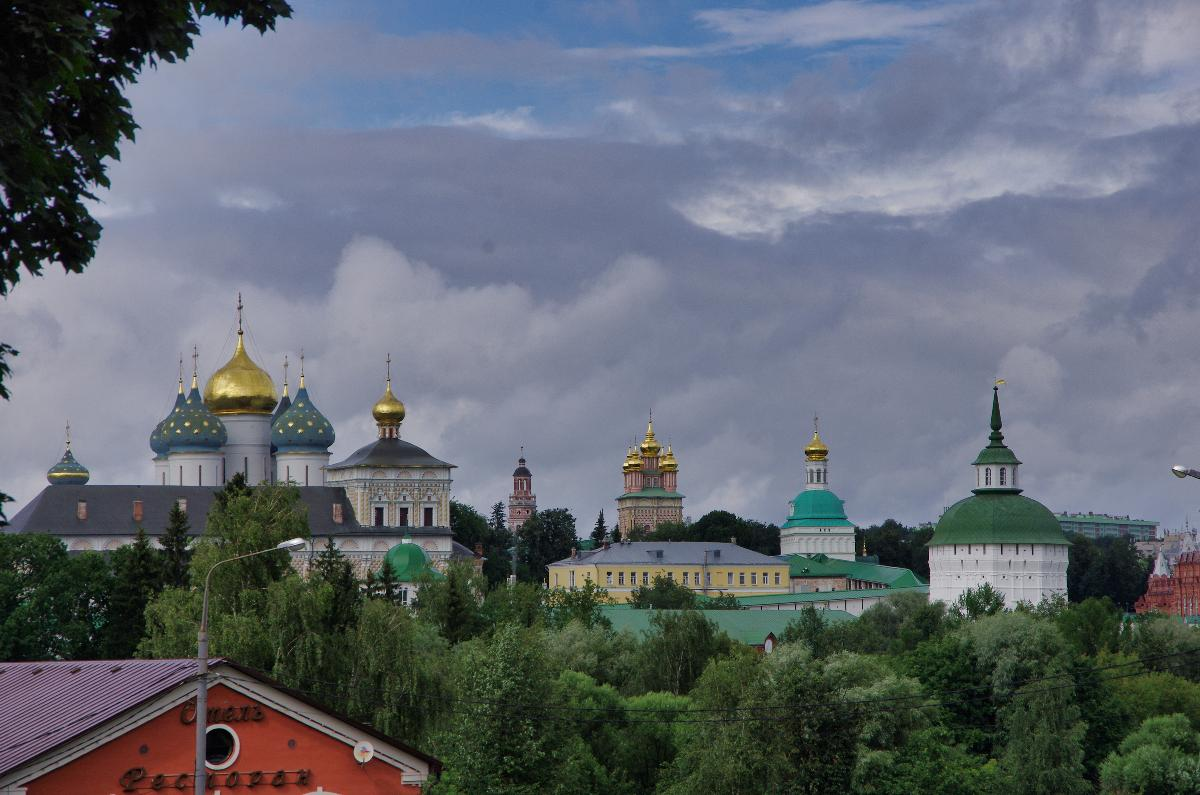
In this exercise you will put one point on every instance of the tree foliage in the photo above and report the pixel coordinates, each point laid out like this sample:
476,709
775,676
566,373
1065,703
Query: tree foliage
662,594
721,526
470,528
895,544
546,537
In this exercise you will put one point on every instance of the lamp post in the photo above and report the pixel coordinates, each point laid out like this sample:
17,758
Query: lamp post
1184,472
202,663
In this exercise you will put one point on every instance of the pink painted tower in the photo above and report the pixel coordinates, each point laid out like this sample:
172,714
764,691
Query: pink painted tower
522,503
651,482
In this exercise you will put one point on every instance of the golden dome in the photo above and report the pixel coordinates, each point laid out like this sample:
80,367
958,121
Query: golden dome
816,449
633,462
388,410
240,387
668,463
650,446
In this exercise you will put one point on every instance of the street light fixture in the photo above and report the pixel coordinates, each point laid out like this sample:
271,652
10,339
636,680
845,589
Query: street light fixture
202,663
1184,472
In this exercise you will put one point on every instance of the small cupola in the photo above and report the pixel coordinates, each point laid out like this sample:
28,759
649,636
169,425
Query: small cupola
68,471
996,465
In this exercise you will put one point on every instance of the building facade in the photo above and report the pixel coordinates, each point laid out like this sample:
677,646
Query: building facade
522,503
129,726
368,503
707,568
1101,525
817,522
998,536
1173,590
651,497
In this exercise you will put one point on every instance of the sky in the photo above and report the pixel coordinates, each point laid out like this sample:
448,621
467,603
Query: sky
557,217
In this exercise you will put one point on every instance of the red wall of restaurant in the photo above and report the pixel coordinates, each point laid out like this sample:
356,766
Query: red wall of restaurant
166,745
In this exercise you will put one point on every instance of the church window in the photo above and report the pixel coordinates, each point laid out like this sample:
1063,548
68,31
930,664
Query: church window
620,578
306,474
776,578
987,476
1003,475
181,474
572,575
428,518
608,578
754,578
402,520
671,576
379,516
645,578
686,577
199,474
729,578
708,578
246,466
741,578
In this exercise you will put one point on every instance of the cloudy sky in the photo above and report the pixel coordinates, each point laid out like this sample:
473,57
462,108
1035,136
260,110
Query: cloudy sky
557,216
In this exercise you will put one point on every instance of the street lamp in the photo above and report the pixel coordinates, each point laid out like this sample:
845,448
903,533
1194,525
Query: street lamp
202,662
1184,472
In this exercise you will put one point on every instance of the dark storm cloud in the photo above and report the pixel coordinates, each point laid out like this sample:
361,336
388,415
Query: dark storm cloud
1014,195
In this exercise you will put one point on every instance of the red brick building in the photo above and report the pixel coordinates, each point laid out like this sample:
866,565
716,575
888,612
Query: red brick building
128,726
1176,593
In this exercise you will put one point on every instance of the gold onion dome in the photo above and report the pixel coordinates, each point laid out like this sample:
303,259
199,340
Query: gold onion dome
816,449
650,446
388,410
668,463
241,386
632,462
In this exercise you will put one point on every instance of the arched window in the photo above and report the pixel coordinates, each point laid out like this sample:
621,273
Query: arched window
1003,475
987,476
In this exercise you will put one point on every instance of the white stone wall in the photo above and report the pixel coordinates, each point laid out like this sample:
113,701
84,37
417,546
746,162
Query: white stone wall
161,472
395,488
302,468
1022,572
248,446
194,468
836,542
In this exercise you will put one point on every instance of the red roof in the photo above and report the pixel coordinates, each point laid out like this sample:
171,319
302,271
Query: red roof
44,704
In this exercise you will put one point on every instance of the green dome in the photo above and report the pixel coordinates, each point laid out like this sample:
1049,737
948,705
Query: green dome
192,426
998,518
817,508
302,427
407,559
68,471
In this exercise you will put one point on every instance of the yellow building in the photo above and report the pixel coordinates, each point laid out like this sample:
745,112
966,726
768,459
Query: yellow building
705,567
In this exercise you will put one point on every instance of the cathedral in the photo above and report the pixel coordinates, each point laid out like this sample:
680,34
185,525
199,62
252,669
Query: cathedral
387,492
817,522
997,535
651,477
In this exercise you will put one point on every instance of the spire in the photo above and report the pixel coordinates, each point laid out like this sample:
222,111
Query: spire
68,434
285,369
302,368
996,465
181,373
996,437
195,359
239,313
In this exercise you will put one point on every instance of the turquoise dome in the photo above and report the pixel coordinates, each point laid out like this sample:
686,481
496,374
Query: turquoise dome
158,437
302,427
817,508
408,561
192,426
998,518
68,471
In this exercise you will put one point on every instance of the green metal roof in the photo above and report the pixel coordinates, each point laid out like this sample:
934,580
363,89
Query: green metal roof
750,627
827,596
997,518
409,562
652,492
817,508
996,451
825,566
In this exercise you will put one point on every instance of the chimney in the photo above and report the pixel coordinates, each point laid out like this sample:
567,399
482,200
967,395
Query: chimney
733,539
574,552
337,513
182,503
478,549
137,511
81,510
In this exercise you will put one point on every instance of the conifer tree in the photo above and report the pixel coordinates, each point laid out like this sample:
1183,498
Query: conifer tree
137,578
600,531
175,552
332,567
385,585
497,521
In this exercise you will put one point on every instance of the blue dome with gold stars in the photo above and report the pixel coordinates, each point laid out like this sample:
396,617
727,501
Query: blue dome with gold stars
192,426
68,471
159,442
302,427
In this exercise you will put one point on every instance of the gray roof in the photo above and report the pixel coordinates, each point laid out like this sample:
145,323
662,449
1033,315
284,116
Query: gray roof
686,553
44,704
110,511
390,453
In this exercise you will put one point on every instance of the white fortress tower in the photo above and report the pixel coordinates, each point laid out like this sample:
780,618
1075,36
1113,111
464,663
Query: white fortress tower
817,523
998,536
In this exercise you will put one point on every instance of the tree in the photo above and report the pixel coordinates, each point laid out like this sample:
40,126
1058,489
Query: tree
720,527
678,647
1043,749
600,531
897,545
1107,567
471,528
174,542
497,520
137,578
332,568
384,582
578,604
64,68
546,537
662,594
1162,757
974,603
452,603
